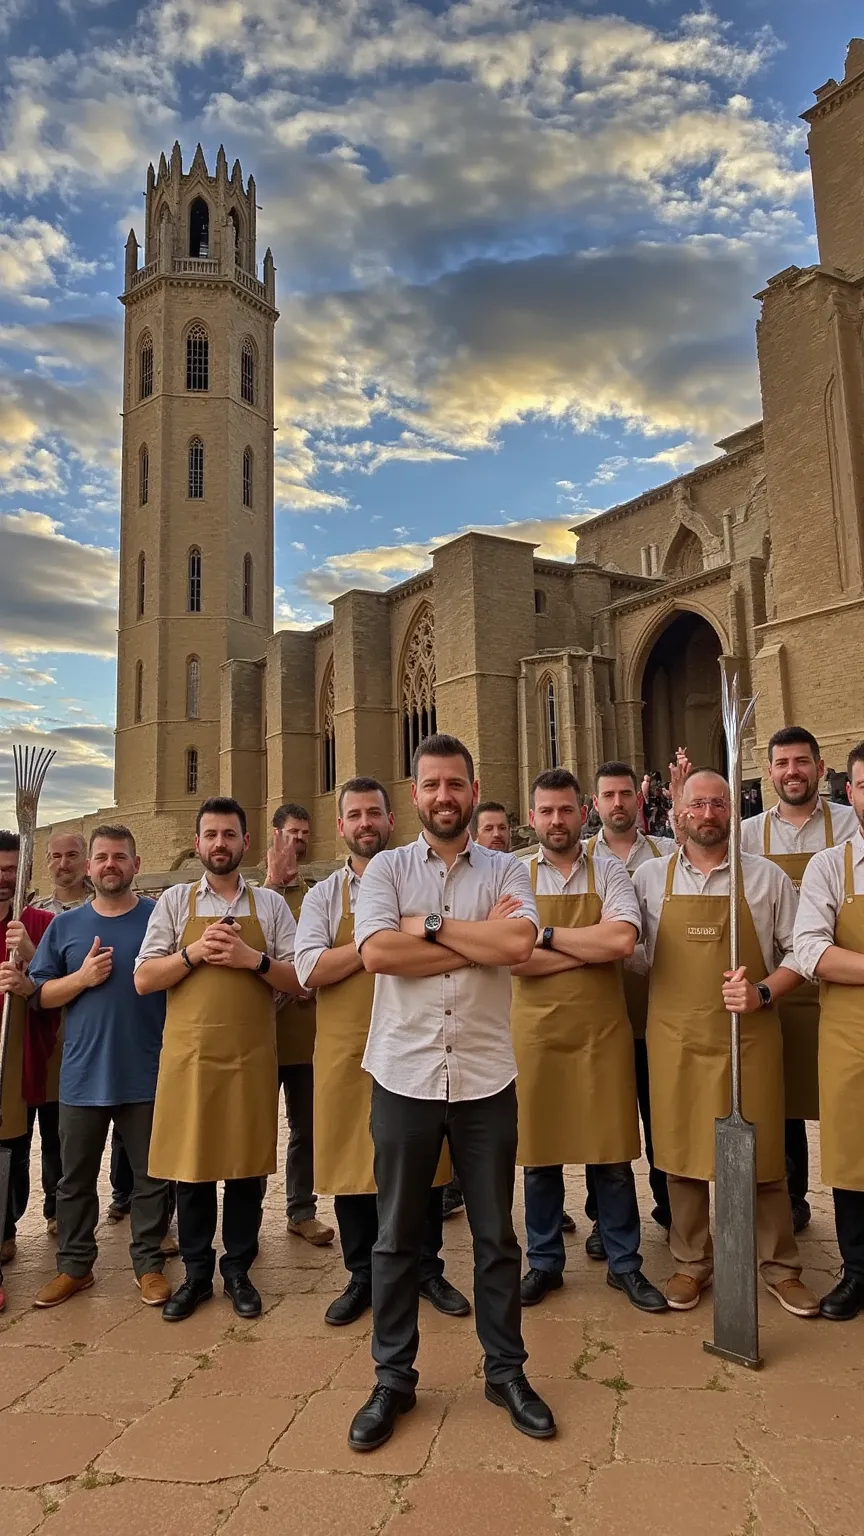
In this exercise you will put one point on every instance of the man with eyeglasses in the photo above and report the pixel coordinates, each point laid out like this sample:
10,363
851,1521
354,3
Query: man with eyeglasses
684,902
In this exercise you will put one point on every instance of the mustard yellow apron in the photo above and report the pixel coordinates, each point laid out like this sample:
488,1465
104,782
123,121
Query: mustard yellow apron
841,1055
295,1021
343,1091
688,1040
576,1082
635,986
216,1097
12,1105
799,1012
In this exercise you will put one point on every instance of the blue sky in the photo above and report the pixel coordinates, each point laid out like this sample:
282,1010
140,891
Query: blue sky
516,247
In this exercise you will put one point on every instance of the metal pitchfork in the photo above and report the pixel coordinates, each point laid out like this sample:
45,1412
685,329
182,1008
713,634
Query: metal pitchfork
31,766
736,1316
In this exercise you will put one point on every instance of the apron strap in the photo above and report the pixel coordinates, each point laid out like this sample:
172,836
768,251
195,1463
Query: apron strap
534,874
346,894
766,835
653,846
850,879
829,825
591,844
193,902
589,870
252,912
670,875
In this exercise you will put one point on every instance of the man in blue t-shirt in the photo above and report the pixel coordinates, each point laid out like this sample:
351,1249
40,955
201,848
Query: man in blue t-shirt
113,1038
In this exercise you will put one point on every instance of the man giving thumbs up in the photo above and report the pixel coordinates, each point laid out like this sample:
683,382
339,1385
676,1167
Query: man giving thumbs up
113,1038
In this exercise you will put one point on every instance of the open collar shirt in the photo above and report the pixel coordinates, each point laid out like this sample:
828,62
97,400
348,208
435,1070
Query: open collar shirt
787,838
640,852
823,891
320,916
448,1036
611,882
169,916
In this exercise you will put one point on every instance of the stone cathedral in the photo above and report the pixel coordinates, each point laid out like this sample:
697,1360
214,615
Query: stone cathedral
757,554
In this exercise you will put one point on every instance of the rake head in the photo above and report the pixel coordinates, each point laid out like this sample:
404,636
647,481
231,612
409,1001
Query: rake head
31,766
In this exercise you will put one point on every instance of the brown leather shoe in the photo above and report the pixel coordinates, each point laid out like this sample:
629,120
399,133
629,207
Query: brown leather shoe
155,1290
683,1292
8,1250
313,1230
795,1298
61,1289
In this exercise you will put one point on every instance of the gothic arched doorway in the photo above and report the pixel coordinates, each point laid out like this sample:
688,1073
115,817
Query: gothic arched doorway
681,695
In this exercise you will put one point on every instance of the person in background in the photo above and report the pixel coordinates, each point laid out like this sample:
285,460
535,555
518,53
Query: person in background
295,1036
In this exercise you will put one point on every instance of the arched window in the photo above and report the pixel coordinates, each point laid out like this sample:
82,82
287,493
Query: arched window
138,704
328,734
144,476
193,596
141,584
197,357
145,366
418,687
193,688
199,228
247,477
549,700
247,586
247,371
196,469
191,771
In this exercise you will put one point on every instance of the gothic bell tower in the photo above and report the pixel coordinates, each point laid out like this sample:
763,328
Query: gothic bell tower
196,522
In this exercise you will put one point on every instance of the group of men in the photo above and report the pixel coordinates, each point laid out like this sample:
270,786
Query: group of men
445,1007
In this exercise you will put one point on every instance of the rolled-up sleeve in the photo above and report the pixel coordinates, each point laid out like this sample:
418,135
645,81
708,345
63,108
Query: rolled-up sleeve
620,902
163,930
313,931
284,931
517,882
816,921
377,901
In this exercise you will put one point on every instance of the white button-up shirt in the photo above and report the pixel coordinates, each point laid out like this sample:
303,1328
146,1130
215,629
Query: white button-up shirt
611,882
787,838
448,1036
823,891
168,918
769,893
320,916
640,852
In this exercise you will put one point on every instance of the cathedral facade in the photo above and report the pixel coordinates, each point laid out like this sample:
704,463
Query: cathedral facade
756,555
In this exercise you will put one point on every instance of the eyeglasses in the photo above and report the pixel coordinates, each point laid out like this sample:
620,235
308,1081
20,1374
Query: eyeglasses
707,805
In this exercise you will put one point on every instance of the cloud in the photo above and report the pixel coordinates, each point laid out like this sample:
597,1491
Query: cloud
80,779
55,593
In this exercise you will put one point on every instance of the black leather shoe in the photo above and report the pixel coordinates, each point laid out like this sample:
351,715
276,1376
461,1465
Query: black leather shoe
354,1301
536,1284
244,1298
640,1291
662,1217
527,1411
453,1201
845,1301
373,1424
594,1244
567,1223
801,1215
445,1297
186,1299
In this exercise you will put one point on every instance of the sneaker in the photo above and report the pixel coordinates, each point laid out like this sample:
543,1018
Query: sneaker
8,1250
313,1230
62,1288
683,1292
795,1298
155,1289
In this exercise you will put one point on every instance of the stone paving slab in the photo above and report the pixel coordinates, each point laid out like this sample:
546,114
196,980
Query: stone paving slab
113,1422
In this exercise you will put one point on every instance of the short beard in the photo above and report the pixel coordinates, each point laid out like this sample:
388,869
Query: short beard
446,834
800,799
367,853
708,837
573,841
610,826
223,869
111,890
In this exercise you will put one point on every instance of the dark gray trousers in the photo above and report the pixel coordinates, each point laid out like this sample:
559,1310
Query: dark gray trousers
83,1134
298,1084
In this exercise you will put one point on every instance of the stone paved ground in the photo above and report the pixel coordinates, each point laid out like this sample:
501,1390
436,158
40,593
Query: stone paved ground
112,1421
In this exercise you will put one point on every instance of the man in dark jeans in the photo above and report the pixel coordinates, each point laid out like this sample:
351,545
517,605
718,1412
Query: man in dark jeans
85,964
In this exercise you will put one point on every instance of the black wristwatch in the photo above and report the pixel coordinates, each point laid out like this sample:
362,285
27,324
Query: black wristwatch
432,926
263,965
547,937
765,998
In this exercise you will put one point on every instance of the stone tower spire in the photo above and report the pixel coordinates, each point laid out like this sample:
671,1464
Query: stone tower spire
196,523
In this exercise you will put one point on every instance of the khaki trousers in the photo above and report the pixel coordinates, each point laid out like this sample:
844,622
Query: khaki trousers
690,1237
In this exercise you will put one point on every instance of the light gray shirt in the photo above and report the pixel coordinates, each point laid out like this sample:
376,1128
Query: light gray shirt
53,903
448,1036
640,852
320,916
823,891
786,838
769,893
611,881
168,918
